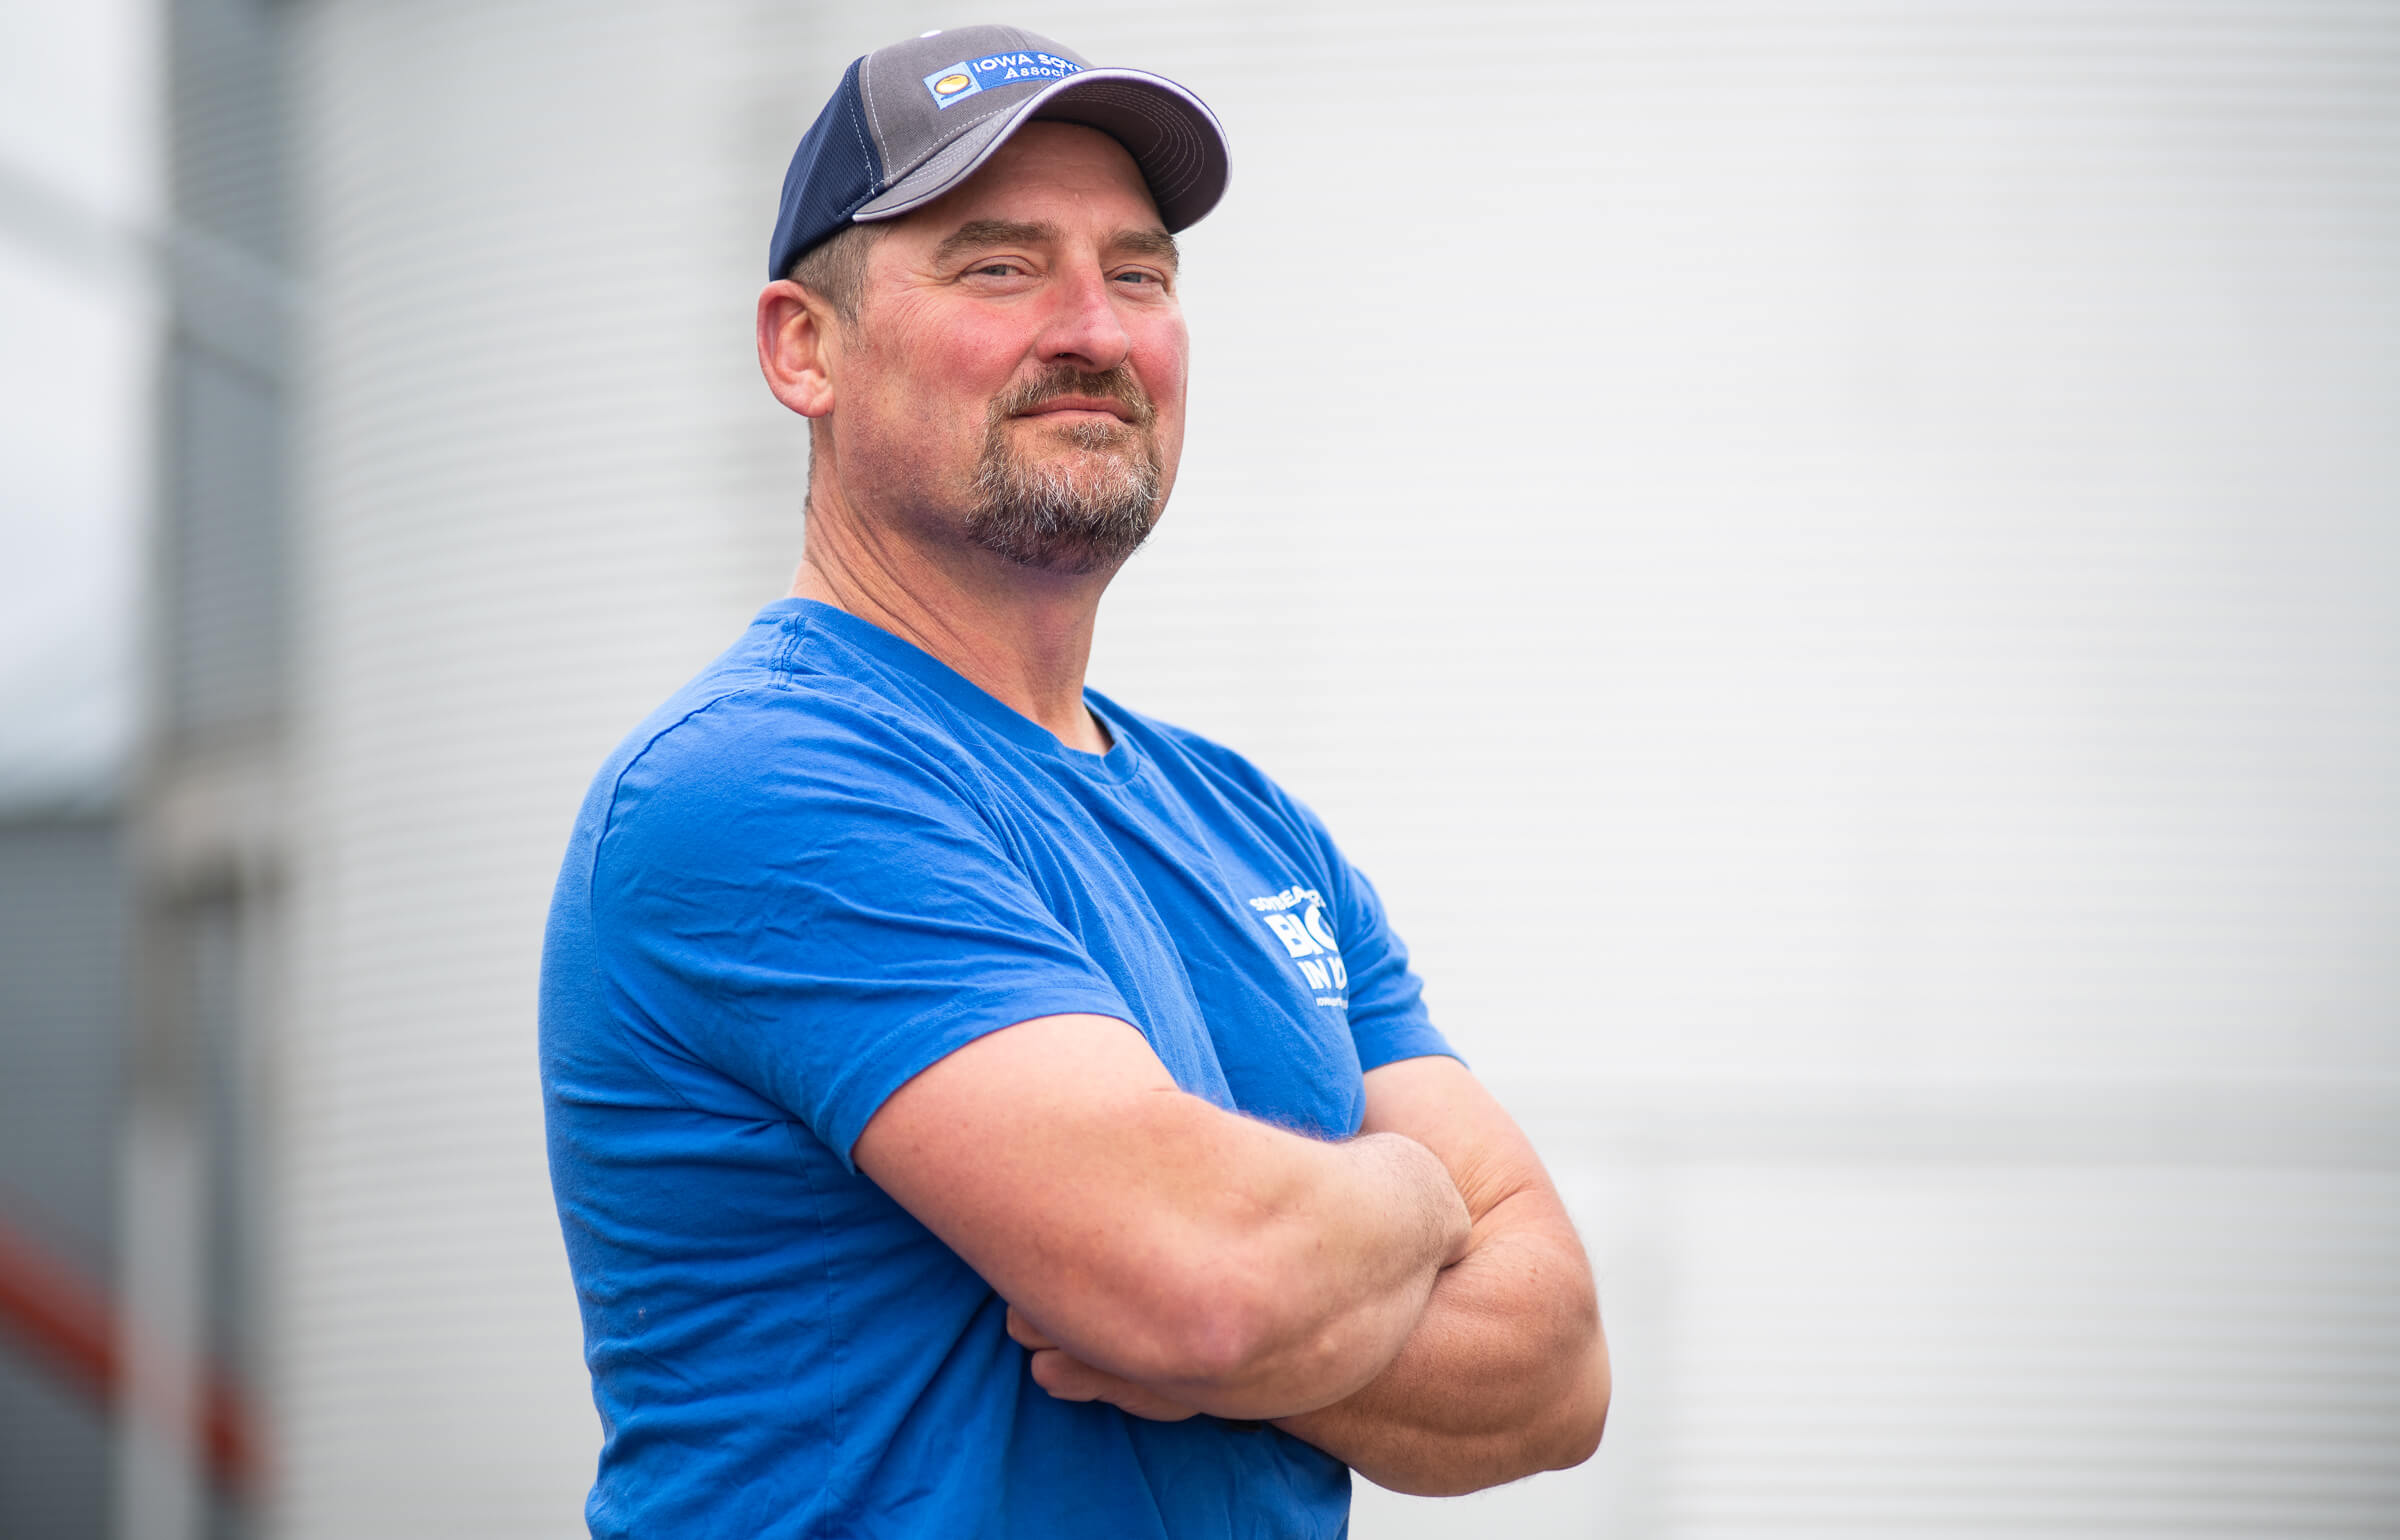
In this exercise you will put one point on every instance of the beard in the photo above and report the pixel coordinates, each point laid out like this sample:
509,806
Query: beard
1073,513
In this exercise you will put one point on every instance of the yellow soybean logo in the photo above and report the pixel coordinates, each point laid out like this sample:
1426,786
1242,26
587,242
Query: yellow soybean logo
953,83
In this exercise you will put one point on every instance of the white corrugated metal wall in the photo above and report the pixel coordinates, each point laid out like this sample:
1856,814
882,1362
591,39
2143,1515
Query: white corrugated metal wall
1836,561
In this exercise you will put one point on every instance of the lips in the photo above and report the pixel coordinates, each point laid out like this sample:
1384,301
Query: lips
1113,407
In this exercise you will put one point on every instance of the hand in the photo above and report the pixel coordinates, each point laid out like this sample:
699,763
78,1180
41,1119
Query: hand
1071,1379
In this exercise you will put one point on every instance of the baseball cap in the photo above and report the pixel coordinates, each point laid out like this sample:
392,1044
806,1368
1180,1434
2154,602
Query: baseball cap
912,121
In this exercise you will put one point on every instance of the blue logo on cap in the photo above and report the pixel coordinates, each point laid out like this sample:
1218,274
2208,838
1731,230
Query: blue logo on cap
969,77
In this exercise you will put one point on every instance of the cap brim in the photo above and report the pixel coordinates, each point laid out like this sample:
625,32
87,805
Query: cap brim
1170,133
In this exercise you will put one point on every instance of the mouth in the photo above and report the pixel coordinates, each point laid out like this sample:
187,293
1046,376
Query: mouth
1076,408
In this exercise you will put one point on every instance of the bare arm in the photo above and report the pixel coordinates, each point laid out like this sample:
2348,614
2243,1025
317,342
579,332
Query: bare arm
1231,1267
1506,1372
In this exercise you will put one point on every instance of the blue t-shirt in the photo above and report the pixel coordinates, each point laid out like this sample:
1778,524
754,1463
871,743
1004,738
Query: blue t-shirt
826,863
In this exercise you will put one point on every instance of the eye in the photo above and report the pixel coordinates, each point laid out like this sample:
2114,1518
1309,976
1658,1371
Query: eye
996,267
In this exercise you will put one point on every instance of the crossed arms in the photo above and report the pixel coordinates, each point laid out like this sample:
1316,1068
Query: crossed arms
1413,1301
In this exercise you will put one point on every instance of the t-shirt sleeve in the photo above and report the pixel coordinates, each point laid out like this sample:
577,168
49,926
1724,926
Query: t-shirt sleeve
1388,1019
805,900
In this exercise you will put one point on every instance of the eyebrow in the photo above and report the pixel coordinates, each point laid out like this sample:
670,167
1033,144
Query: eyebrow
1157,245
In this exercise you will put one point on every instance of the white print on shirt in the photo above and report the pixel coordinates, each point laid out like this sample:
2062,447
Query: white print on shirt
1309,938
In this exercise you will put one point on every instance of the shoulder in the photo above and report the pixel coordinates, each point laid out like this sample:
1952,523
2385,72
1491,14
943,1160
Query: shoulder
762,735
776,747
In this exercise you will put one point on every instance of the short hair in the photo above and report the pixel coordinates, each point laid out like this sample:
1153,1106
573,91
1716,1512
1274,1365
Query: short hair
835,269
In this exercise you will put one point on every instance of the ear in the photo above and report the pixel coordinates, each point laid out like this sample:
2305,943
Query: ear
797,347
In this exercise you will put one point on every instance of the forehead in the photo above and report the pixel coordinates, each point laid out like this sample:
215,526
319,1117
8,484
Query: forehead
1053,171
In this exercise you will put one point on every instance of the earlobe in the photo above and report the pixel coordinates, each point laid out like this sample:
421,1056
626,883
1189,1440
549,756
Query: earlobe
795,347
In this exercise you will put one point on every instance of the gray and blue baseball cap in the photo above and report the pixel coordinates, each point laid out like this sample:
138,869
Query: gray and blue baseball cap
912,121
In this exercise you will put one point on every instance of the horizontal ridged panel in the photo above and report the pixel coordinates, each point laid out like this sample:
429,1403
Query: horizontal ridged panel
1808,545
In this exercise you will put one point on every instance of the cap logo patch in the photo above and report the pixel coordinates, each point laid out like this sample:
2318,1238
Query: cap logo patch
970,77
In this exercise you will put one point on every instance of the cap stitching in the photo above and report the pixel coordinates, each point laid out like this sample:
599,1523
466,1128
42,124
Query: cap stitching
866,88
957,132
858,132
1182,150
940,150
1143,104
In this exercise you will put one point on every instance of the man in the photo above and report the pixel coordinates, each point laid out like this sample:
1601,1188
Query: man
975,1108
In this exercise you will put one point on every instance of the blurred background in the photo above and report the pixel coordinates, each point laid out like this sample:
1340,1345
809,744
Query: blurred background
1838,561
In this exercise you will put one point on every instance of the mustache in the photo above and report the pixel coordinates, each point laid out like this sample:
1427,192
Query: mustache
1116,384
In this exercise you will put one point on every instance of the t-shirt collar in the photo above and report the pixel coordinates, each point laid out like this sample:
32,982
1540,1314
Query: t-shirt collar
906,657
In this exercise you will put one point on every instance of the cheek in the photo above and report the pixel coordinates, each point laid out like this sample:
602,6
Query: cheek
971,349
1165,370
933,370
1163,361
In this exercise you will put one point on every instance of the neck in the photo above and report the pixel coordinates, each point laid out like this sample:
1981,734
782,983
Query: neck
1021,635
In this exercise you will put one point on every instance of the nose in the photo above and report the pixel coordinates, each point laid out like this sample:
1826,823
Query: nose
1083,327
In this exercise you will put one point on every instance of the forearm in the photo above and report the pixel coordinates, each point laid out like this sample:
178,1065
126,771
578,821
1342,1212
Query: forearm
1298,1281
1348,1278
1505,1374
1248,1270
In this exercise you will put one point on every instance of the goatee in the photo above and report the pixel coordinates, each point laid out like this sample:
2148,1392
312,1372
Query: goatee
1071,514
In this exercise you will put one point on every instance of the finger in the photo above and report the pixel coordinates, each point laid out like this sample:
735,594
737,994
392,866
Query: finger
1151,1407
1025,1333
1068,1378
